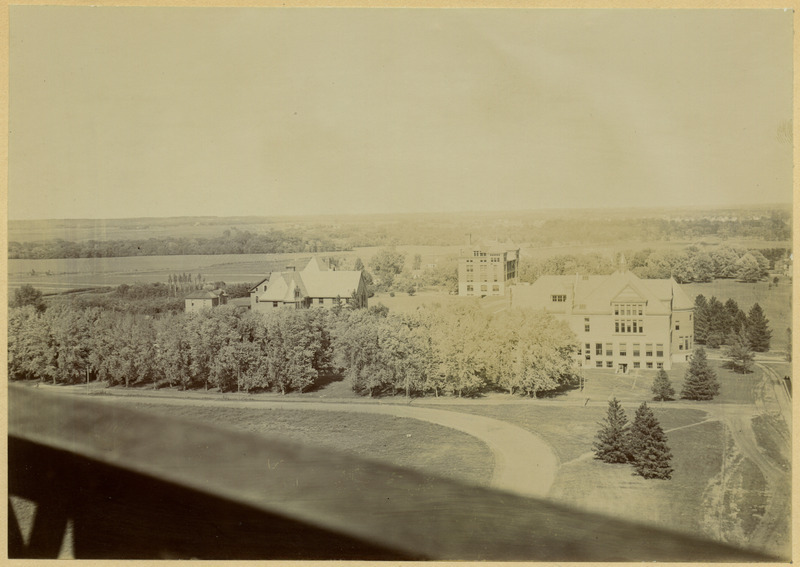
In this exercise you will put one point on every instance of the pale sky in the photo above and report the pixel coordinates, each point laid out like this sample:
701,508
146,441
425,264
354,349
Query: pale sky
133,112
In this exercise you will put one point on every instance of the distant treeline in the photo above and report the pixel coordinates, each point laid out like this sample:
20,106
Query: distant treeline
425,230
231,242
455,349
530,231
692,264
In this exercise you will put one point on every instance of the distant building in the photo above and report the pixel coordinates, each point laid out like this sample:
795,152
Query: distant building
205,299
314,286
487,269
621,321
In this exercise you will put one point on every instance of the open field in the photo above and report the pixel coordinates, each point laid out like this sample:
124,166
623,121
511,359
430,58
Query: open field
57,275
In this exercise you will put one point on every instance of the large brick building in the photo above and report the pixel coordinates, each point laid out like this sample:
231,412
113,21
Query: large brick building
487,270
621,321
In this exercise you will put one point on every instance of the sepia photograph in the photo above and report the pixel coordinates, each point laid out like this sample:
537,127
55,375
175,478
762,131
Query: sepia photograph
400,284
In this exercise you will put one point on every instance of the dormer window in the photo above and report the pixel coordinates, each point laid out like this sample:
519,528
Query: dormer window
628,318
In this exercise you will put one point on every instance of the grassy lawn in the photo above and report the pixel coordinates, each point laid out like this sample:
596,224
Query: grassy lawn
404,442
676,504
635,388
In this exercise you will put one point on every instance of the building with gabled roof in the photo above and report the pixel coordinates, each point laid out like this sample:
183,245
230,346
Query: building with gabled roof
313,286
205,299
621,321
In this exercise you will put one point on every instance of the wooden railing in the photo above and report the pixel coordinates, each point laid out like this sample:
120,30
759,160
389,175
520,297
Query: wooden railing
128,485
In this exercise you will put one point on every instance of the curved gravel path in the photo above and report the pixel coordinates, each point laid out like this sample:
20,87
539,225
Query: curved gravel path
524,463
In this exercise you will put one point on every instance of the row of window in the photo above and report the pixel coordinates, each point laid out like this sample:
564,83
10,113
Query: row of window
471,269
495,257
629,326
622,350
484,278
484,287
636,364
628,309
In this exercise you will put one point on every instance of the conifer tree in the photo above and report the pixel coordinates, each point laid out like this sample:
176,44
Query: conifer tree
739,355
612,438
758,331
662,387
648,444
736,318
700,381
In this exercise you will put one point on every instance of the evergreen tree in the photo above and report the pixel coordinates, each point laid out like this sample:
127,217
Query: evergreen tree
757,329
648,444
739,355
662,387
700,381
612,438
736,319
718,323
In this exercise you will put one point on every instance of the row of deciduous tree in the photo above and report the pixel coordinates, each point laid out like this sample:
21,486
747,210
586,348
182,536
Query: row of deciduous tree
527,227
717,323
230,242
689,265
456,349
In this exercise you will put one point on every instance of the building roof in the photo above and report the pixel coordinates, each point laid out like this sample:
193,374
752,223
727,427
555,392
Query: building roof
491,247
315,265
596,294
201,294
315,280
331,284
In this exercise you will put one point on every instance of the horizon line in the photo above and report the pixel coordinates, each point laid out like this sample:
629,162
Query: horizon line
421,213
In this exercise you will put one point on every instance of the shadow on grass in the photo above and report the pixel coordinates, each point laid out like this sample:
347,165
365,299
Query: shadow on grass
324,381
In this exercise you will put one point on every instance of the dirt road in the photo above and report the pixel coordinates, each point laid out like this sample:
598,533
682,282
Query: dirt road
524,463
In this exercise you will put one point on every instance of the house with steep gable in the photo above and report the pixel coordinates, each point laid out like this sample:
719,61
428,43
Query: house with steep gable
622,322
314,286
